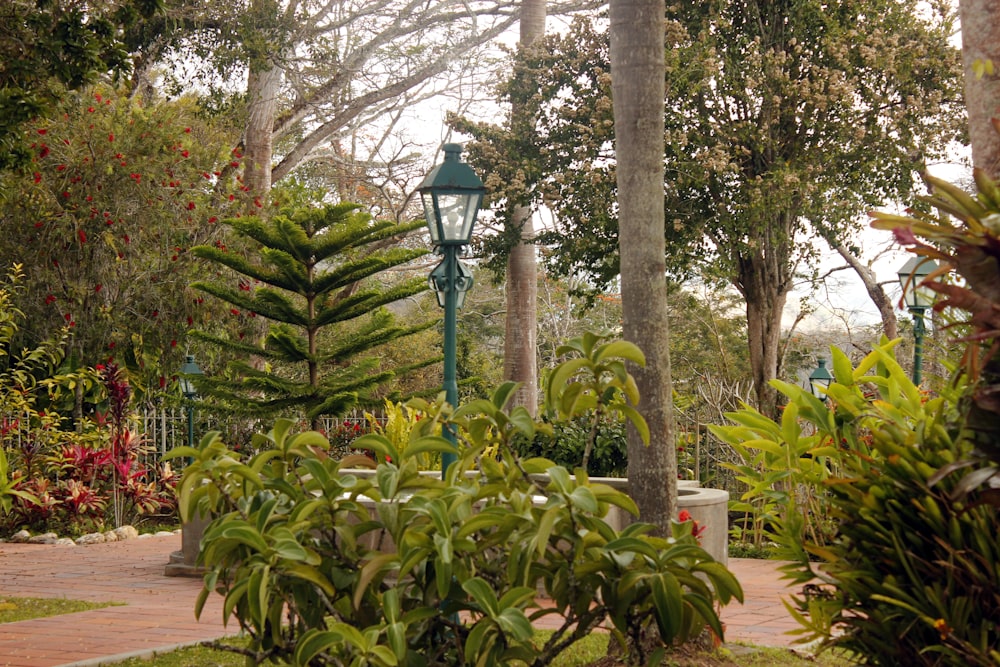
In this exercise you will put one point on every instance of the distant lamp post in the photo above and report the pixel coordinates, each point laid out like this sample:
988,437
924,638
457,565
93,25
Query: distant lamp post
820,380
451,194
189,369
917,299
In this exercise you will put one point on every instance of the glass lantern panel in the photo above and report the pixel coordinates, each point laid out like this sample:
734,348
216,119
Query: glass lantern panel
431,216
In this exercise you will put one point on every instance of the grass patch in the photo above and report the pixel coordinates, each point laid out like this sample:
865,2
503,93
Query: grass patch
22,609
585,652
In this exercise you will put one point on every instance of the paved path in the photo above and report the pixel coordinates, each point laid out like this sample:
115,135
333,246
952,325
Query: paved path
157,613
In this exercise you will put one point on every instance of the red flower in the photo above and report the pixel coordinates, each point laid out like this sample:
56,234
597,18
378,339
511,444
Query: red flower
42,130
212,219
234,311
38,177
187,130
111,137
156,313
44,151
60,167
49,299
173,343
90,109
68,317
190,320
82,236
97,96
184,153
256,202
190,205
99,367
234,164
97,287
696,530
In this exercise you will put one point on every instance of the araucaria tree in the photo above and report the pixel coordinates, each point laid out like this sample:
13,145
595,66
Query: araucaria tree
784,119
315,271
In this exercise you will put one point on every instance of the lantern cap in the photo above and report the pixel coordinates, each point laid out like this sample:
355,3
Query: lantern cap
452,174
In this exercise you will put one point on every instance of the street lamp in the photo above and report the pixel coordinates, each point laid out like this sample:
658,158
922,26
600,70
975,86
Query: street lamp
819,380
918,298
189,369
451,194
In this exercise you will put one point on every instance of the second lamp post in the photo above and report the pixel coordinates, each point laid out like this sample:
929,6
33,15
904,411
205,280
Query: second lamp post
918,299
451,195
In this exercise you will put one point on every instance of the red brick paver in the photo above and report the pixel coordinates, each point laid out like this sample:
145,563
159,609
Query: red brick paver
158,611
157,614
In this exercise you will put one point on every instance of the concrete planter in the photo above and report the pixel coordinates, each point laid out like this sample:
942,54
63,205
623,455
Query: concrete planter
709,507
184,563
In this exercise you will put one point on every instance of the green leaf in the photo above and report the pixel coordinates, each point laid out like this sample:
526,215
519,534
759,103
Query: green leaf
484,596
313,642
622,349
668,601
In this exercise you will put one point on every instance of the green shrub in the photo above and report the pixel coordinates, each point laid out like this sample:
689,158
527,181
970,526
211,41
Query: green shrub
325,568
568,439
63,475
909,577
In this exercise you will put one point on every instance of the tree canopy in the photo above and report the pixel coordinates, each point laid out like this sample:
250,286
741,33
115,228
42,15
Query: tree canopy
784,119
48,47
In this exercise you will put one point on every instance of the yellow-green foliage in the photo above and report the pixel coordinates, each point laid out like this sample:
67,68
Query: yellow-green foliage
397,426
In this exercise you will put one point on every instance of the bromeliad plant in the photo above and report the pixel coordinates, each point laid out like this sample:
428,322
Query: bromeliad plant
320,567
909,576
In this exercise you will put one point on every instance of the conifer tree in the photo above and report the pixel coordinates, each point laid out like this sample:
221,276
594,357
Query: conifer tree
310,276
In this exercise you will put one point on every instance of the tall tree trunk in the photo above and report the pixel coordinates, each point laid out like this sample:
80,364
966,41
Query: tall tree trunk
637,86
520,356
761,279
981,42
263,86
764,309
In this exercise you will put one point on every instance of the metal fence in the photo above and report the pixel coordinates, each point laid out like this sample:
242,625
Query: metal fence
160,430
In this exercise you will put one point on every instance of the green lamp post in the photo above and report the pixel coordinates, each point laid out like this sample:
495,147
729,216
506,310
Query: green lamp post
820,380
918,299
189,369
451,195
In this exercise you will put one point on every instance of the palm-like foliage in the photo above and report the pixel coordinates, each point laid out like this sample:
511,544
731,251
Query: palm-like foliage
314,269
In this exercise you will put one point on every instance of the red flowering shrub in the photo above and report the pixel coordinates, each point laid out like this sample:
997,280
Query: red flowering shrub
103,219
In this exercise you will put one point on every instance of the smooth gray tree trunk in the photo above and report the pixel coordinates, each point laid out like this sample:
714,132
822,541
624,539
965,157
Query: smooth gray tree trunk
520,354
637,67
981,42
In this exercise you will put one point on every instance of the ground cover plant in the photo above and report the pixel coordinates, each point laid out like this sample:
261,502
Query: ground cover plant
320,566
14,609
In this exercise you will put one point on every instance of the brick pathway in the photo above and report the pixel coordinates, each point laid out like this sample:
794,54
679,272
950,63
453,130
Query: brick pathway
158,611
